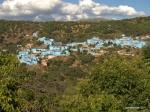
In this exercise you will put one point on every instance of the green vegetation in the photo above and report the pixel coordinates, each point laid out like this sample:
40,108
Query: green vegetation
79,82
79,31
114,84
96,103
146,52
9,100
8,63
20,32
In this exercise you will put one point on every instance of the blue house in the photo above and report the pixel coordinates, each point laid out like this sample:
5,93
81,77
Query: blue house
93,41
27,58
31,56
46,41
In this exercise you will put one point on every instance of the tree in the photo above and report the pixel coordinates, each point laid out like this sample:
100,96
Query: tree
9,102
8,63
146,54
92,103
114,84
126,79
85,58
146,51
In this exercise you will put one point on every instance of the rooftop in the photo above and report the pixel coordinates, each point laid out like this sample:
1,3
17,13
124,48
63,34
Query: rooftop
33,55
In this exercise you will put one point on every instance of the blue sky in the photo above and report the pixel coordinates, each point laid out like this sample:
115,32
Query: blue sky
67,10
1,1
143,5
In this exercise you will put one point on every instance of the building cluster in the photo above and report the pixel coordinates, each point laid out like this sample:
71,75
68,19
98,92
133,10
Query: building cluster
92,46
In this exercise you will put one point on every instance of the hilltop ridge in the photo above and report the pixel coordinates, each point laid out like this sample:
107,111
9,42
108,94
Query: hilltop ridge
19,32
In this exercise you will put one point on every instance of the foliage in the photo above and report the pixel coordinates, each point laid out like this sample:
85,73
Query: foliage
126,79
79,31
8,63
9,100
146,52
58,67
14,32
114,84
85,58
92,103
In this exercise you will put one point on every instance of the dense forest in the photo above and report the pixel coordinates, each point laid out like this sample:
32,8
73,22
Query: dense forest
79,82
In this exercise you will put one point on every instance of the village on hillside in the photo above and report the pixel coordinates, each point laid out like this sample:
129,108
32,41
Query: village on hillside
93,46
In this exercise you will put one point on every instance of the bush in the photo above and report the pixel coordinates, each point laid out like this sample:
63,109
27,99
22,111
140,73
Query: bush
123,78
114,84
146,51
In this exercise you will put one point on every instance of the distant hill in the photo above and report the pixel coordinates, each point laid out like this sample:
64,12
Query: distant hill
19,32
94,20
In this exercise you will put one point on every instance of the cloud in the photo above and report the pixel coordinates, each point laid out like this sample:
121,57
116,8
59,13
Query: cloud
43,10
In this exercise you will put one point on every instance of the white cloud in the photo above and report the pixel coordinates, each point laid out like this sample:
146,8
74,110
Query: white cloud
42,10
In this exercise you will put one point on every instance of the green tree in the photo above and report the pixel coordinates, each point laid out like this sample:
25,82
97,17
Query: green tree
9,102
126,79
85,58
8,63
114,84
146,51
92,103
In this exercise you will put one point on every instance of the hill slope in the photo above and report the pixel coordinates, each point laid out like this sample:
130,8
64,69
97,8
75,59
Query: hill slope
13,32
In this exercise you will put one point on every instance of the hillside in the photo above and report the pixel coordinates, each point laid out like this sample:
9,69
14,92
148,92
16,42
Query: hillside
115,80
15,32
77,31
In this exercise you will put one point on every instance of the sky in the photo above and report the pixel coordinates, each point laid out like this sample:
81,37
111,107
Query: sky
143,5
72,10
